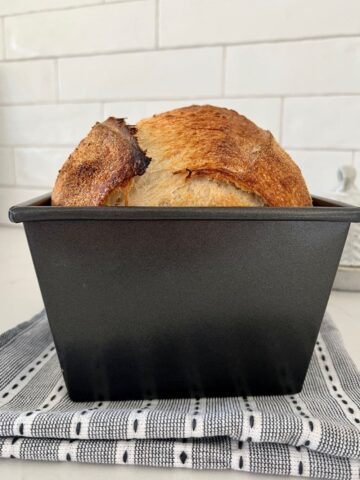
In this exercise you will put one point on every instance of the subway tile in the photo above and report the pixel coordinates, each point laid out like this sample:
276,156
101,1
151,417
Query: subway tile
322,122
39,166
166,74
12,196
10,7
7,169
204,22
263,111
103,28
49,125
27,82
319,168
294,68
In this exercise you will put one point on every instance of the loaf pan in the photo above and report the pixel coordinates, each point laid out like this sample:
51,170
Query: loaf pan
183,302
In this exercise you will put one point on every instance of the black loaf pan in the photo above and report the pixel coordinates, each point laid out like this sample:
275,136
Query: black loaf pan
184,302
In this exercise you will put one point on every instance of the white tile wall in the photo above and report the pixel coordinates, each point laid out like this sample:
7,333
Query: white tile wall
184,73
7,170
292,66
104,28
35,125
205,22
31,82
322,122
39,166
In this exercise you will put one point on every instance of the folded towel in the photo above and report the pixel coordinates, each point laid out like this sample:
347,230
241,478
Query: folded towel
315,433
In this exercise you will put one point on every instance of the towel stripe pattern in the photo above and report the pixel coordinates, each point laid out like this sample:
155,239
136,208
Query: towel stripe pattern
315,433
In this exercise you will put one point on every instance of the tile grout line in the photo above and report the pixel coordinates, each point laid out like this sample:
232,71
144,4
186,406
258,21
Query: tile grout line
64,9
83,55
157,24
179,47
268,41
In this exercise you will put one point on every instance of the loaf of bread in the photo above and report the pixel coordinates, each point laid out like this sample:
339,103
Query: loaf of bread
199,156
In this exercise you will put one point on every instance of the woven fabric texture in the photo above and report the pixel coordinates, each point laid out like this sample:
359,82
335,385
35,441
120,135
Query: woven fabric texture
315,433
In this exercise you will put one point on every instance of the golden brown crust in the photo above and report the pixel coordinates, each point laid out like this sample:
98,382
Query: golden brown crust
225,146
105,162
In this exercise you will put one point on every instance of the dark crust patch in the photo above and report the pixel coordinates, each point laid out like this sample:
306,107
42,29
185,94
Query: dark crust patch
106,159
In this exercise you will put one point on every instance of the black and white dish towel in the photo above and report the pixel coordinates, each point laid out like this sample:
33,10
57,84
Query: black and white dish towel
313,434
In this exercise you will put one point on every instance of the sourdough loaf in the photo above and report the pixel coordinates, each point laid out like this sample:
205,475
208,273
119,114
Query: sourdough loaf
199,156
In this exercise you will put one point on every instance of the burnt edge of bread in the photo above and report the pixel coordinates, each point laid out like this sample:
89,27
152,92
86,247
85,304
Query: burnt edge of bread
104,162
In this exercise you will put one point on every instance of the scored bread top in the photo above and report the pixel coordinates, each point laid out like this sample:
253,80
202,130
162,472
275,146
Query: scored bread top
225,147
103,164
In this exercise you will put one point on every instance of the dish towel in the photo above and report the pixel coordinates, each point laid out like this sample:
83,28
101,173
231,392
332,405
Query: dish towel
312,434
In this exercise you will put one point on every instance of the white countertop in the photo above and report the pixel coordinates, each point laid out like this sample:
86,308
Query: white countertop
20,299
